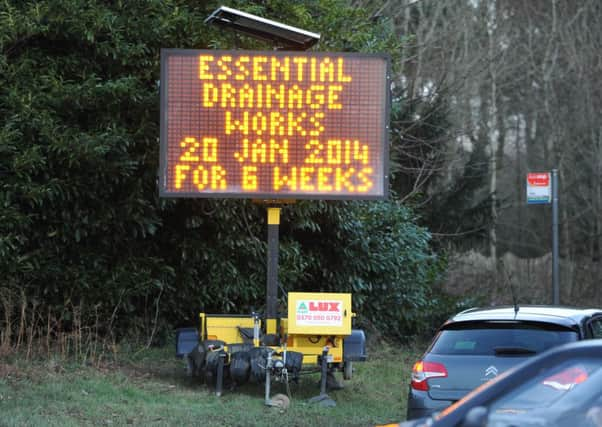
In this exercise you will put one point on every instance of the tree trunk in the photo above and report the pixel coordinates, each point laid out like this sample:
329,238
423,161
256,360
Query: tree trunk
493,129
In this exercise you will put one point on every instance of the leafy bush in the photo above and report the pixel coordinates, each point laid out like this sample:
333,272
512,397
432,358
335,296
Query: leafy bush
81,224
375,251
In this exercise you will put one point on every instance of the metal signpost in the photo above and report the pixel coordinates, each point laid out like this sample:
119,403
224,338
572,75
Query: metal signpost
542,188
277,126
274,126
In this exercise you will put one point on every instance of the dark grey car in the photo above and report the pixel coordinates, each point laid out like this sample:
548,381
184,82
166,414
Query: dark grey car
476,345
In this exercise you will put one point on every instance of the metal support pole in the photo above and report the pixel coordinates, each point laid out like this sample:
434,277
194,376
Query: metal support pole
272,282
219,386
324,371
555,284
268,367
255,329
323,399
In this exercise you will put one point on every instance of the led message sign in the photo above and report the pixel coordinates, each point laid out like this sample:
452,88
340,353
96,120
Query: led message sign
273,124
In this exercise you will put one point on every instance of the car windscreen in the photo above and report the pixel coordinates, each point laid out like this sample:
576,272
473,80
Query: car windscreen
500,338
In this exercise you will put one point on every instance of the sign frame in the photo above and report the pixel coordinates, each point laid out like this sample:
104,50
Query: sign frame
323,326
382,148
539,188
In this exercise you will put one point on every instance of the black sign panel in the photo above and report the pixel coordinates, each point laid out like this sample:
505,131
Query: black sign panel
276,125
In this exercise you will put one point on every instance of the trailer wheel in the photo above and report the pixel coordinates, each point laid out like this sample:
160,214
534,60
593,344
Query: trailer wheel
347,370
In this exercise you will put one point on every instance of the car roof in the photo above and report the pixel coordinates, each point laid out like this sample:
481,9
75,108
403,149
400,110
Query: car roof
559,315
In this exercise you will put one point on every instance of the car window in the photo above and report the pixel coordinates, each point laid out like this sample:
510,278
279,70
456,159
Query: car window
596,326
546,389
498,338
571,386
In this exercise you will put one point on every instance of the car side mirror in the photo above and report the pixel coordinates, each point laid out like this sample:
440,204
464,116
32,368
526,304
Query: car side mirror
476,417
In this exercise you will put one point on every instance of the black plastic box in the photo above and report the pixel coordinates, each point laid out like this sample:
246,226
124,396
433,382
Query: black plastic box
186,340
354,346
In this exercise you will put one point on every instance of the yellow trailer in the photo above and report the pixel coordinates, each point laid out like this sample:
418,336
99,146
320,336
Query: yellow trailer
316,333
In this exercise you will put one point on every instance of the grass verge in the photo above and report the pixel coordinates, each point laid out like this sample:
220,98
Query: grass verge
150,387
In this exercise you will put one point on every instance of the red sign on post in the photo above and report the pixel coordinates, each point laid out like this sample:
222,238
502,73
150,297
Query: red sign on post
274,125
539,190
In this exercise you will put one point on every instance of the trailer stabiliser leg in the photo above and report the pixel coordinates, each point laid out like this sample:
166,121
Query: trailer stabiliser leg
323,399
324,372
219,386
280,401
267,379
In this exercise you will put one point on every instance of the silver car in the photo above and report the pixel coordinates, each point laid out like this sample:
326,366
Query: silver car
477,345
